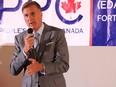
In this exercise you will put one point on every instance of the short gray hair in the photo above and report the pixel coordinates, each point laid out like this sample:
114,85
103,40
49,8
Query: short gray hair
29,3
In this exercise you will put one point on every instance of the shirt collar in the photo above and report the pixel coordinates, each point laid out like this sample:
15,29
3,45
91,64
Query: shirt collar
40,30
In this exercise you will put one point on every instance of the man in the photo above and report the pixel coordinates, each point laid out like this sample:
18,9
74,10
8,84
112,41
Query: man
44,64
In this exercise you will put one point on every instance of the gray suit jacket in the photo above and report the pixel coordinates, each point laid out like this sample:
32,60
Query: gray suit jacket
52,52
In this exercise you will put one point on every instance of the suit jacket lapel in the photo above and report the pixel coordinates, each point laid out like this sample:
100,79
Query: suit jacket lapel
44,39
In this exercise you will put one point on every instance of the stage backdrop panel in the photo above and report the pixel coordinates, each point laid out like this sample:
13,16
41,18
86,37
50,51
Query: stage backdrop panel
71,15
104,23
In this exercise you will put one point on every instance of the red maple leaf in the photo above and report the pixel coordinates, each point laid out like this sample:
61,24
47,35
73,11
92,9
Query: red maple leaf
71,6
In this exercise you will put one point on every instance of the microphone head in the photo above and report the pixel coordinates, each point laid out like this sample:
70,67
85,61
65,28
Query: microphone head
30,31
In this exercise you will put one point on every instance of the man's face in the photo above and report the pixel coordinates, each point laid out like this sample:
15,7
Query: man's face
33,17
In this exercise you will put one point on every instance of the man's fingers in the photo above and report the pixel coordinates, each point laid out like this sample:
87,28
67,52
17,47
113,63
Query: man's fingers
30,72
29,36
32,60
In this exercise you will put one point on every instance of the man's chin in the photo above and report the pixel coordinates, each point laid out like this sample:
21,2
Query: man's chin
31,26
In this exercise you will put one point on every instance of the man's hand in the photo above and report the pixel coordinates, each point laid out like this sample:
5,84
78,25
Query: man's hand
29,42
34,67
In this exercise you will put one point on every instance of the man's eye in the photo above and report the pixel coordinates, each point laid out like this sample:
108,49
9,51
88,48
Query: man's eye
33,14
26,15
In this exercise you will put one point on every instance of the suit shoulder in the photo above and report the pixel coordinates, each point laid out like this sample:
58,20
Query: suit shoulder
53,28
21,34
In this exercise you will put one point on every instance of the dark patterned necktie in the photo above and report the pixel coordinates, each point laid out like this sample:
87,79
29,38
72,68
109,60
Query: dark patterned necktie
36,39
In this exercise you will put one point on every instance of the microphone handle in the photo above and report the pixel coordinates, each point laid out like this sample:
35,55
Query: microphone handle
34,53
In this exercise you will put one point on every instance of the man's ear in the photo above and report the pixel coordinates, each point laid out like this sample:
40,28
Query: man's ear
41,14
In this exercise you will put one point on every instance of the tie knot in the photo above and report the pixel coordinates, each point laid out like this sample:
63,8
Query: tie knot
36,40
36,35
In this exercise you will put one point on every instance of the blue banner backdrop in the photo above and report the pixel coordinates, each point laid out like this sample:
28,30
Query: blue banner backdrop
104,23
69,15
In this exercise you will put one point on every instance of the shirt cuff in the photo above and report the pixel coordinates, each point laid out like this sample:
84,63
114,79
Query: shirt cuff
43,70
25,54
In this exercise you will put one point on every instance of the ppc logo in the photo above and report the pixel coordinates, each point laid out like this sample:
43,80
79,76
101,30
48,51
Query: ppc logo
2,9
70,7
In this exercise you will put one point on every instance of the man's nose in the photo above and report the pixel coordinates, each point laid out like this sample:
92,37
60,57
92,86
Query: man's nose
30,18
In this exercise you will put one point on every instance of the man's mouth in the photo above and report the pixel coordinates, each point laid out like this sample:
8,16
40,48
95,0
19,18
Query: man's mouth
31,23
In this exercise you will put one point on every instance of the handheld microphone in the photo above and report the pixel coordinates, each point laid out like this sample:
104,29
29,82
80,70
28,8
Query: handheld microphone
30,31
